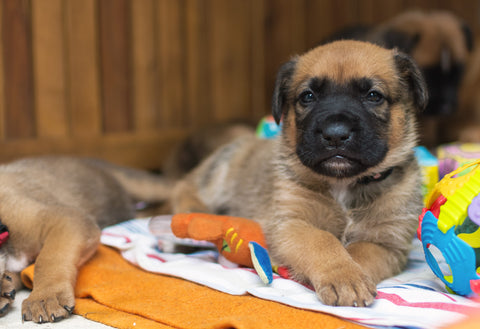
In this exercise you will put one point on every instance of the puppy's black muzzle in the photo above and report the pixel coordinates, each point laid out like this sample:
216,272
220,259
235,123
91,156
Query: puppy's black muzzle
339,138
335,133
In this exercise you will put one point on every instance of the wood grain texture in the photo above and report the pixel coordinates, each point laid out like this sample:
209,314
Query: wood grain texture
230,58
17,54
199,107
260,102
125,79
144,150
2,83
172,71
144,68
285,35
83,68
115,65
49,68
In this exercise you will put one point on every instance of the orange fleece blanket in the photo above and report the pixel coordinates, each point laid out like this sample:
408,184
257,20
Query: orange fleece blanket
112,291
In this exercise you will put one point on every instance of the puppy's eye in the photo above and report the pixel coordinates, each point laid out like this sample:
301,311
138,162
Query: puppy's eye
374,97
307,97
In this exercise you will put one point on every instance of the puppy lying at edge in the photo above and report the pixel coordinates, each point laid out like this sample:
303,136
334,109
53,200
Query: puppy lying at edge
54,208
338,193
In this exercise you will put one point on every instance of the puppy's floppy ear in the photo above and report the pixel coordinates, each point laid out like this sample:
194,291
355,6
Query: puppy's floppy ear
412,78
468,35
393,38
282,84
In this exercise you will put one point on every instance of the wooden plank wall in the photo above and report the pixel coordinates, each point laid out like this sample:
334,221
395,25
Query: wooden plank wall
125,79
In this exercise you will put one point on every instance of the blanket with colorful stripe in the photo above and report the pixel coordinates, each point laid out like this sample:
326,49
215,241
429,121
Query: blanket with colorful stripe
416,298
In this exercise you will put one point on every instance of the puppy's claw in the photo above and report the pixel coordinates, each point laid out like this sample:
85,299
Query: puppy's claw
56,318
69,308
4,309
10,294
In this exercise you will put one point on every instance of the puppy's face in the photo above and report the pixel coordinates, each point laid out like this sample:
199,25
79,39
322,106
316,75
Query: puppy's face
347,105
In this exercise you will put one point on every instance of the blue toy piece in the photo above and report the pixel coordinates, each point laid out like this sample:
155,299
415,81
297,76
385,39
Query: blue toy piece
458,254
268,128
261,262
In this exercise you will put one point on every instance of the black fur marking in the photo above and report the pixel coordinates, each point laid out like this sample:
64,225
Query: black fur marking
398,39
341,133
413,79
223,210
468,35
371,179
280,93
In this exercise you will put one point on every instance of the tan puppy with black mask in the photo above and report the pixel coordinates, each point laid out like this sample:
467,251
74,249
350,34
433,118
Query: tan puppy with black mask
53,208
338,193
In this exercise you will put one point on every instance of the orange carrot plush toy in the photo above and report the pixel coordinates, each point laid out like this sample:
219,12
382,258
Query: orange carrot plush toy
239,240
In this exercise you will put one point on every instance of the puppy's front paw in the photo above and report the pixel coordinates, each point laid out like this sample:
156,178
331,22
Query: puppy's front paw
7,293
52,305
346,285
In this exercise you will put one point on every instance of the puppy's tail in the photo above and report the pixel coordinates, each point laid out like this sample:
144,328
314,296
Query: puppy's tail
144,186
139,184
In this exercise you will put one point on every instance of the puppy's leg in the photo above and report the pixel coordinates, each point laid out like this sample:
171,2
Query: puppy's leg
69,243
320,258
185,198
10,283
378,262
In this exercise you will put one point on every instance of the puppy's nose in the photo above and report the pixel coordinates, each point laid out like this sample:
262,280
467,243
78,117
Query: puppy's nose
336,134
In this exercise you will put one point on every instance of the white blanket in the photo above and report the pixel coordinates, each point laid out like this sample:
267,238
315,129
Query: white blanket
416,298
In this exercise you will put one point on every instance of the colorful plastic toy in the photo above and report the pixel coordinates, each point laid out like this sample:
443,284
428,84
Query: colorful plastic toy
268,128
450,222
3,234
429,167
454,155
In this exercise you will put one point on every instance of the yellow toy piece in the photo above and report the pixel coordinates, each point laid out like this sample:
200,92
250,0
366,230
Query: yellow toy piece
459,192
429,167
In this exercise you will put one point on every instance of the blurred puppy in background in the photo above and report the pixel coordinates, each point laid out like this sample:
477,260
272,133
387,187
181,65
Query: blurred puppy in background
187,154
465,125
440,43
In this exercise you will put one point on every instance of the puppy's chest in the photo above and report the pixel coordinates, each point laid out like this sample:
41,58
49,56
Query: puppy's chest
345,198
17,263
13,263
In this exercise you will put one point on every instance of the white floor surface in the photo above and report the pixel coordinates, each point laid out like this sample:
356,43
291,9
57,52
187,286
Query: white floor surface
13,319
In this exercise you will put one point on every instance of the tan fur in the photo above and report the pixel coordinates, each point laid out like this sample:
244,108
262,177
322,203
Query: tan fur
54,208
336,234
